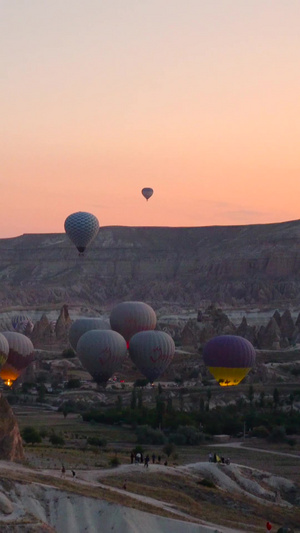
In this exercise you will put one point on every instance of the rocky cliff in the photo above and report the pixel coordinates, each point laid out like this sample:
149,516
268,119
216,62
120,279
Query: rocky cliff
232,265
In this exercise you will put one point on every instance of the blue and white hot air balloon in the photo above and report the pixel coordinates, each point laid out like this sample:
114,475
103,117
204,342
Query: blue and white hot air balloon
81,228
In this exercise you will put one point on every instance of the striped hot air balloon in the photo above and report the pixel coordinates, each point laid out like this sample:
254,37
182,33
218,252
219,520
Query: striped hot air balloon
21,354
81,229
151,352
229,358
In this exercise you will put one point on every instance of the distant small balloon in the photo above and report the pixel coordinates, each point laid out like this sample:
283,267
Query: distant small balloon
147,192
81,228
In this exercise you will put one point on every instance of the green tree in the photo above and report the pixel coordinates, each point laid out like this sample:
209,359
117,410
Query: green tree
208,396
169,448
140,398
160,410
251,394
133,399
31,435
262,400
119,402
276,397
41,393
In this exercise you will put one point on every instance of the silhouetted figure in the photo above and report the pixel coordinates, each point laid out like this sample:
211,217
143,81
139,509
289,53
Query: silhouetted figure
153,458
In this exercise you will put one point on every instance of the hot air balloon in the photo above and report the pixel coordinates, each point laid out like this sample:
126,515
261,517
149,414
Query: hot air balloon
4,350
82,325
22,323
21,354
229,358
147,192
81,229
101,353
151,352
128,318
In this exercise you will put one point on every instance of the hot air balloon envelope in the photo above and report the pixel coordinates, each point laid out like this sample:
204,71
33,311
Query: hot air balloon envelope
151,352
101,353
82,325
21,354
81,229
147,192
128,318
229,358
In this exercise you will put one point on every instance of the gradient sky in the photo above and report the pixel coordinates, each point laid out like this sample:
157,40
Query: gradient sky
199,99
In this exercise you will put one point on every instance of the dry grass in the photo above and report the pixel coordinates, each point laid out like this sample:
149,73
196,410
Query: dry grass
209,504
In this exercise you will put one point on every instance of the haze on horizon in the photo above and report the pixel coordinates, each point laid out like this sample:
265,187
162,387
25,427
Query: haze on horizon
197,99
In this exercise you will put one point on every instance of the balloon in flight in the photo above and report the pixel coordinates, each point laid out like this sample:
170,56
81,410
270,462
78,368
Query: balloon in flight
101,353
229,358
81,228
82,325
128,318
147,192
151,352
21,354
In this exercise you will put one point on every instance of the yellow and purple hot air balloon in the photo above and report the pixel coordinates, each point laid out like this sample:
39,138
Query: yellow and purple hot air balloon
229,358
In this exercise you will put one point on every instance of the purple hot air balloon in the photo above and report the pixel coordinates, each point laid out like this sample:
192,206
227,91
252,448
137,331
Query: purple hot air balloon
229,358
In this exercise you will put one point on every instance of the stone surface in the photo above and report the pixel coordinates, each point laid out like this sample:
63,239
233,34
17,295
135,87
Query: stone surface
232,265
11,448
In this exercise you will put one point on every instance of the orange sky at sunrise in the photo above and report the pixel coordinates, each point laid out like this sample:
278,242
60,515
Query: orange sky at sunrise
198,99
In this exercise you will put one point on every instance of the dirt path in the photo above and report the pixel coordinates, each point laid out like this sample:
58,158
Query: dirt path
263,450
91,477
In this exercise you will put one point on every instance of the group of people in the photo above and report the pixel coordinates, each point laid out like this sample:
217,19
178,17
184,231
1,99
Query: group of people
139,458
215,458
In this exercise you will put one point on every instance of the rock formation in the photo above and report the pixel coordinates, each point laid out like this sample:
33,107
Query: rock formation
63,323
11,448
234,265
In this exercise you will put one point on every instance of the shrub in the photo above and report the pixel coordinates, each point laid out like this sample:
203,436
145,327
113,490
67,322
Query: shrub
168,449
68,353
141,382
148,435
114,462
31,435
206,483
261,432
192,436
278,434
96,441
291,441
177,438
56,440
73,383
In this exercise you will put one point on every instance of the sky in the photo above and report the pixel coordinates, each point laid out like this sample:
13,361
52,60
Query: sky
198,99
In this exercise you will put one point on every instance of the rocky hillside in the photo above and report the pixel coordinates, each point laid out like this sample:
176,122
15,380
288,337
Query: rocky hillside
233,265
